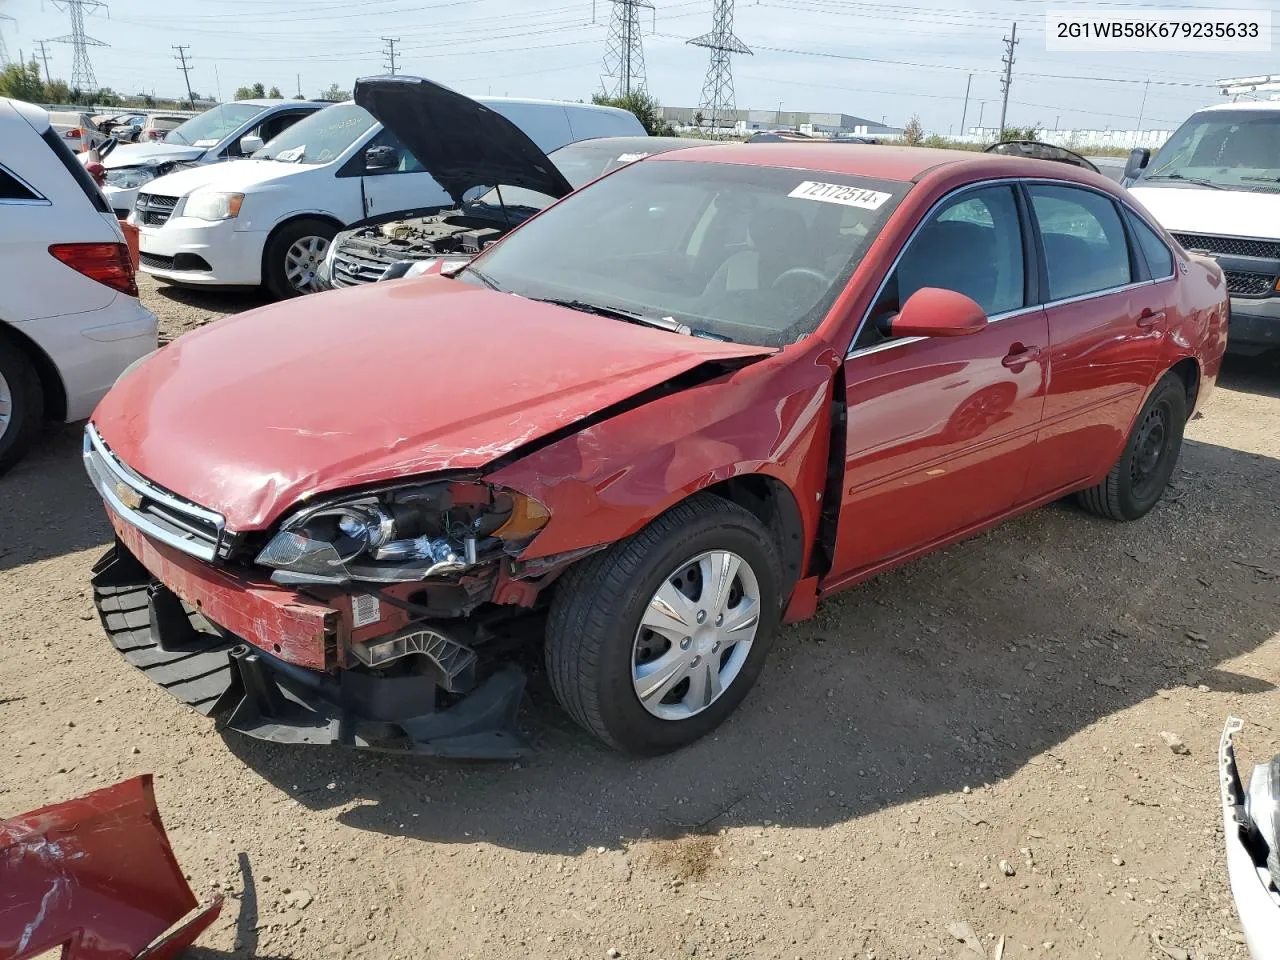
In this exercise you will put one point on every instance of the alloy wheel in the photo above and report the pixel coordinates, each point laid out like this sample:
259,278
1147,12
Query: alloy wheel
302,263
6,405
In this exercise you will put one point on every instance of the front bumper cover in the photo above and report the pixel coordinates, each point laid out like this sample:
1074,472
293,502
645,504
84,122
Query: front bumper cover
246,689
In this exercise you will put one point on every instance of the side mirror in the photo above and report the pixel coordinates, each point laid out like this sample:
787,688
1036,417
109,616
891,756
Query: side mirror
381,158
250,144
934,312
1137,162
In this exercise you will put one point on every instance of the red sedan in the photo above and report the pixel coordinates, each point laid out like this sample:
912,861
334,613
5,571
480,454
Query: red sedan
656,421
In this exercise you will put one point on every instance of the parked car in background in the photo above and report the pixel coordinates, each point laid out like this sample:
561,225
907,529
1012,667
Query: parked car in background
156,126
77,130
676,407
389,246
1215,184
1251,830
70,320
229,131
125,127
268,220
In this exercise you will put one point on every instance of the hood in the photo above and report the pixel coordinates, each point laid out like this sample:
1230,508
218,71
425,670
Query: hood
249,415
461,143
150,154
241,175
1231,213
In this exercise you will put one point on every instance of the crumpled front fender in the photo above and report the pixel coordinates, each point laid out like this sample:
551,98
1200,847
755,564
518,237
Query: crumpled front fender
96,876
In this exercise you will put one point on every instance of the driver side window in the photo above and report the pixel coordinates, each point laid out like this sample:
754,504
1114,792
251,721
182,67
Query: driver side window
972,245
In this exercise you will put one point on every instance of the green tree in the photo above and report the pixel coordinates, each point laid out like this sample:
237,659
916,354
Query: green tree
646,109
57,91
255,92
107,97
335,93
1031,132
22,82
275,93
913,132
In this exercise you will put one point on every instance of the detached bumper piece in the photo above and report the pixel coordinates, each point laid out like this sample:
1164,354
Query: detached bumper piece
248,690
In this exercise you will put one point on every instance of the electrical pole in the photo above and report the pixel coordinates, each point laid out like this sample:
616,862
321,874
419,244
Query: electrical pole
45,57
1143,109
82,76
185,67
4,53
1009,43
390,53
299,77
965,112
717,104
624,49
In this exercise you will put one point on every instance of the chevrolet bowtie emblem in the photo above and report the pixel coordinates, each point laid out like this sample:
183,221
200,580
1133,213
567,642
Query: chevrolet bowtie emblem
127,495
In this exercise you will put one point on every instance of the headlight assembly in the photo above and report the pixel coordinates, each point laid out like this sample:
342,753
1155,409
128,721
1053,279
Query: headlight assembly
402,534
127,178
213,206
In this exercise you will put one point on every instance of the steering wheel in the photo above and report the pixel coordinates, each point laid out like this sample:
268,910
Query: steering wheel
809,272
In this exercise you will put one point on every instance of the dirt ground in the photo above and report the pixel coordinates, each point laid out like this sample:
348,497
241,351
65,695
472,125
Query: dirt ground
1004,700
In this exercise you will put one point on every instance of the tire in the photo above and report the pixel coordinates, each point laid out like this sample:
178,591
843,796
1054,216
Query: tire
275,268
21,403
594,629
1139,478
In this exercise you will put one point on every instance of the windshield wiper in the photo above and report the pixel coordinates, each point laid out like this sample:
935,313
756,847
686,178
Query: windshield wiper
1198,181
1262,179
482,277
662,323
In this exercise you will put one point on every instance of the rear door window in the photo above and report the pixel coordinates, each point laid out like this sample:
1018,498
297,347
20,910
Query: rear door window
1154,250
1085,249
14,190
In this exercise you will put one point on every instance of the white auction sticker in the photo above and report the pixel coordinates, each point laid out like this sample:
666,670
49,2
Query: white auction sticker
631,157
1172,30
840,193
365,610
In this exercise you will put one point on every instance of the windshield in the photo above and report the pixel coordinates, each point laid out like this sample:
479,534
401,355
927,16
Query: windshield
1233,149
211,126
321,137
745,253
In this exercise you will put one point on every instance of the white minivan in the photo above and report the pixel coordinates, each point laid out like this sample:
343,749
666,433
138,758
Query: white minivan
70,320
1215,185
268,220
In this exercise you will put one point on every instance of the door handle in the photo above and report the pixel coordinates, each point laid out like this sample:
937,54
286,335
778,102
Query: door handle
1019,356
1149,317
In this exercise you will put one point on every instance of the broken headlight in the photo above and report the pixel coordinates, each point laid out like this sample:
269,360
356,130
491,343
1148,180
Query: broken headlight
402,534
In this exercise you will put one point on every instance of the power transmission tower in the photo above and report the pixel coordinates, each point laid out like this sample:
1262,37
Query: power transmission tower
390,53
1007,81
82,77
716,106
181,57
624,50
4,52
45,57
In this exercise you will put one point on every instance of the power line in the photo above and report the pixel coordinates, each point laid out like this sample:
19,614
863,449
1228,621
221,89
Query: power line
82,77
1009,43
624,50
4,53
389,53
185,67
717,104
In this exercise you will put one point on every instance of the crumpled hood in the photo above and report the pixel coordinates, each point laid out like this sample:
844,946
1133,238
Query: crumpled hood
251,414
149,154
236,175
462,143
1231,213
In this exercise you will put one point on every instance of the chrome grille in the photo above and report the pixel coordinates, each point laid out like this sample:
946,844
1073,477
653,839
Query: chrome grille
1230,246
154,209
156,512
1241,284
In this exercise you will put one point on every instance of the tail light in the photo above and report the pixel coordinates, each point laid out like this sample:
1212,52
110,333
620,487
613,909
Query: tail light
75,133
107,263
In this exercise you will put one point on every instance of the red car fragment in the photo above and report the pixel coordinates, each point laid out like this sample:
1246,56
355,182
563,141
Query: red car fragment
95,876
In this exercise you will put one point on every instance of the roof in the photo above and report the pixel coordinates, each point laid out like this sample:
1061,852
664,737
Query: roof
638,142
1243,105
280,102
38,117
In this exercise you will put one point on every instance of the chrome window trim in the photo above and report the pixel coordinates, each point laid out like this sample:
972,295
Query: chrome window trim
37,200
1014,181
97,455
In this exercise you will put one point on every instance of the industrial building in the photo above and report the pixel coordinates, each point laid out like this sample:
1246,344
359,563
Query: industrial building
815,124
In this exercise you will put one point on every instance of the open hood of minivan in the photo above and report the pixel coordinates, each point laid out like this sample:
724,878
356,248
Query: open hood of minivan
461,143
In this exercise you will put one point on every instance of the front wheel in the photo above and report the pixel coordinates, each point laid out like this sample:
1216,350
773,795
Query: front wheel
652,643
291,262
1138,479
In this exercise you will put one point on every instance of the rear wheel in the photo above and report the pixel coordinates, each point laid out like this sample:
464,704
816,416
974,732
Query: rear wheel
291,262
652,643
1139,478
21,403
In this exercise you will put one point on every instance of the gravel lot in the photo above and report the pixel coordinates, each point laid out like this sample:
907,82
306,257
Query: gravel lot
1004,700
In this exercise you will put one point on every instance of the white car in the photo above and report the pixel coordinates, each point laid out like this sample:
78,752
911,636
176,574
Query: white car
77,130
268,220
1251,829
229,131
1215,185
70,320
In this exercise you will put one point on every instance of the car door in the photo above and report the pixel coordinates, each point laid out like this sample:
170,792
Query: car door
402,184
1106,326
939,430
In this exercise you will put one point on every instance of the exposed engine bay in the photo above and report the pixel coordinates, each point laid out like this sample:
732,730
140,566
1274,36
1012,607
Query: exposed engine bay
363,255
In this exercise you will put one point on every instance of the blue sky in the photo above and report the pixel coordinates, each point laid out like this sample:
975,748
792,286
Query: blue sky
871,58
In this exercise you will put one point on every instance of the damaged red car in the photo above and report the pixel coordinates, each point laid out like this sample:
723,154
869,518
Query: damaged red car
651,424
